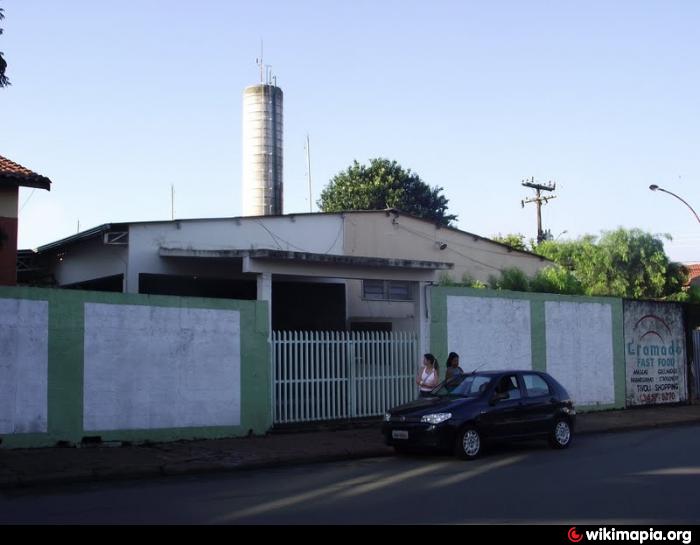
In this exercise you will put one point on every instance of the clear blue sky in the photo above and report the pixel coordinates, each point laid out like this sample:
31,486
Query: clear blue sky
116,101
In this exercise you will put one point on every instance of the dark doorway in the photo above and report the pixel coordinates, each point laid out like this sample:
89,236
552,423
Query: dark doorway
308,306
197,286
107,283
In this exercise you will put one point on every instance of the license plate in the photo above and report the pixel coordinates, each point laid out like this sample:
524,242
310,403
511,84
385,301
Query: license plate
399,434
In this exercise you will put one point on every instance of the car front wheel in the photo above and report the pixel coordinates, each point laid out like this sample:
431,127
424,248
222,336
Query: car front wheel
561,435
468,445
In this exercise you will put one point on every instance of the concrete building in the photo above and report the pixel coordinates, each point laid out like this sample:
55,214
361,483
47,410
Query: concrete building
341,271
12,177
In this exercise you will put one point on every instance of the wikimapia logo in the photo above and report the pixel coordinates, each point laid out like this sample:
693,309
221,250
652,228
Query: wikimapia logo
636,536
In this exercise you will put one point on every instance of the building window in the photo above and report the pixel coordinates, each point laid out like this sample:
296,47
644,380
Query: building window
387,290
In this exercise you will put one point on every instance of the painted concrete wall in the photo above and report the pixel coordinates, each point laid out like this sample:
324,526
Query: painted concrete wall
655,353
580,350
489,333
8,235
162,354
578,340
24,347
9,197
151,367
371,234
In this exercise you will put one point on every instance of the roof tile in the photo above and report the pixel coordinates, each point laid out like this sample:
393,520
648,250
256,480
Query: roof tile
15,174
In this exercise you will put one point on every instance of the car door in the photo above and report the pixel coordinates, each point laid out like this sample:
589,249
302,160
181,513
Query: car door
539,404
504,417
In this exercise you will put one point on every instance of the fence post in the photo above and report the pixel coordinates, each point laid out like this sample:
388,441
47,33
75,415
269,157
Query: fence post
351,376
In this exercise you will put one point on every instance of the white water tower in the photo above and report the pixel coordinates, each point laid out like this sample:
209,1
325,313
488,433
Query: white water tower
262,148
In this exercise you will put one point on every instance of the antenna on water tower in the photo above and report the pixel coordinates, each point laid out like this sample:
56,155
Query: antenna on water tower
260,62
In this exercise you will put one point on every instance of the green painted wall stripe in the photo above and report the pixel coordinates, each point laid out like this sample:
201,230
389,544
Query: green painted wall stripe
66,334
539,336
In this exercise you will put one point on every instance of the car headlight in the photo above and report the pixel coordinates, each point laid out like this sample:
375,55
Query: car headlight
387,417
436,418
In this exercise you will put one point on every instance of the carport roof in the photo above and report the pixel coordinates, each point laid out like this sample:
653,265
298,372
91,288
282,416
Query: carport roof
306,257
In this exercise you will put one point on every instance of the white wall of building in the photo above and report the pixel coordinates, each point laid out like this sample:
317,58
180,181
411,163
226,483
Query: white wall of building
24,349
402,314
580,350
316,234
372,234
155,367
490,333
88,260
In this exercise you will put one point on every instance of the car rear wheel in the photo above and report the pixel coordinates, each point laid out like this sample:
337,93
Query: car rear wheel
561,435
468,444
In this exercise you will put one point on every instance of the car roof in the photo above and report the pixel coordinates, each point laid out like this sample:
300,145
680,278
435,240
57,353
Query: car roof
491,373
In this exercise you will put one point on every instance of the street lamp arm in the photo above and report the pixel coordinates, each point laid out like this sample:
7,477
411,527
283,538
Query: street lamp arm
657,188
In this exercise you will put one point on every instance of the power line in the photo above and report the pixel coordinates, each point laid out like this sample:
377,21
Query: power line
428,237
27,199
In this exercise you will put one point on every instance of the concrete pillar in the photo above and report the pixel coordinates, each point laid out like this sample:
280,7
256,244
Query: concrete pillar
423,317
265,294
9,197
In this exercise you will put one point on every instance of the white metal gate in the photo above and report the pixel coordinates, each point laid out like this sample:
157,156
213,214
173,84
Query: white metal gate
341,375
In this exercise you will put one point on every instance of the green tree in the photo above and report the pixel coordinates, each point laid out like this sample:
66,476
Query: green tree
510,279
4,81
622,263
384,184
556,279
515,241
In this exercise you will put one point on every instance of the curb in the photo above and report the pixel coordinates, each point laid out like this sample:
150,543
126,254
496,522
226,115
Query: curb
204,468
172,470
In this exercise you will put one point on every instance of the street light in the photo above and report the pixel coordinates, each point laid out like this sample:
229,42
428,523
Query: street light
655,187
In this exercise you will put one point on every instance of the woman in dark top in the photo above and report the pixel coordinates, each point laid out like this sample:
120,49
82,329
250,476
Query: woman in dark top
452,365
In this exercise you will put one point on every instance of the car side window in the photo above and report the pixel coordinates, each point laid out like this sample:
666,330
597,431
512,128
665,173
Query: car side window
535,386
479,385
509,385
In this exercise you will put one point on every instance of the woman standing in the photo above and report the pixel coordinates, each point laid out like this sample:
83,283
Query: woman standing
427,377
452,365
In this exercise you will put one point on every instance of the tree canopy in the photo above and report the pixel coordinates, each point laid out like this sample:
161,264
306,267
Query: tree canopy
621,263
4,81
384,184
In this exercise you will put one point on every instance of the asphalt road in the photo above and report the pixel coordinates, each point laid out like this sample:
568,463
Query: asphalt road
649,477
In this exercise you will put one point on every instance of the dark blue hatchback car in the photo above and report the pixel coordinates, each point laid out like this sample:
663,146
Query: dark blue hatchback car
467,410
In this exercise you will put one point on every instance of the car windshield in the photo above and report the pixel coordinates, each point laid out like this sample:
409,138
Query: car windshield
463,386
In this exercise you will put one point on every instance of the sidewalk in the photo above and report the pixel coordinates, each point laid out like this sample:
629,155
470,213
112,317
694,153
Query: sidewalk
61,465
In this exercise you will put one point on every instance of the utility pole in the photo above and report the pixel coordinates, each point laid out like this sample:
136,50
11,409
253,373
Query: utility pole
538,200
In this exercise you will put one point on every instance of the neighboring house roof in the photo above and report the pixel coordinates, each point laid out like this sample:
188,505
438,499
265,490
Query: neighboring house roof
13,174
693,272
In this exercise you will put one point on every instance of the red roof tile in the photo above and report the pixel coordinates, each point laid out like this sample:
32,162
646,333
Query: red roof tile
16,175
693,271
